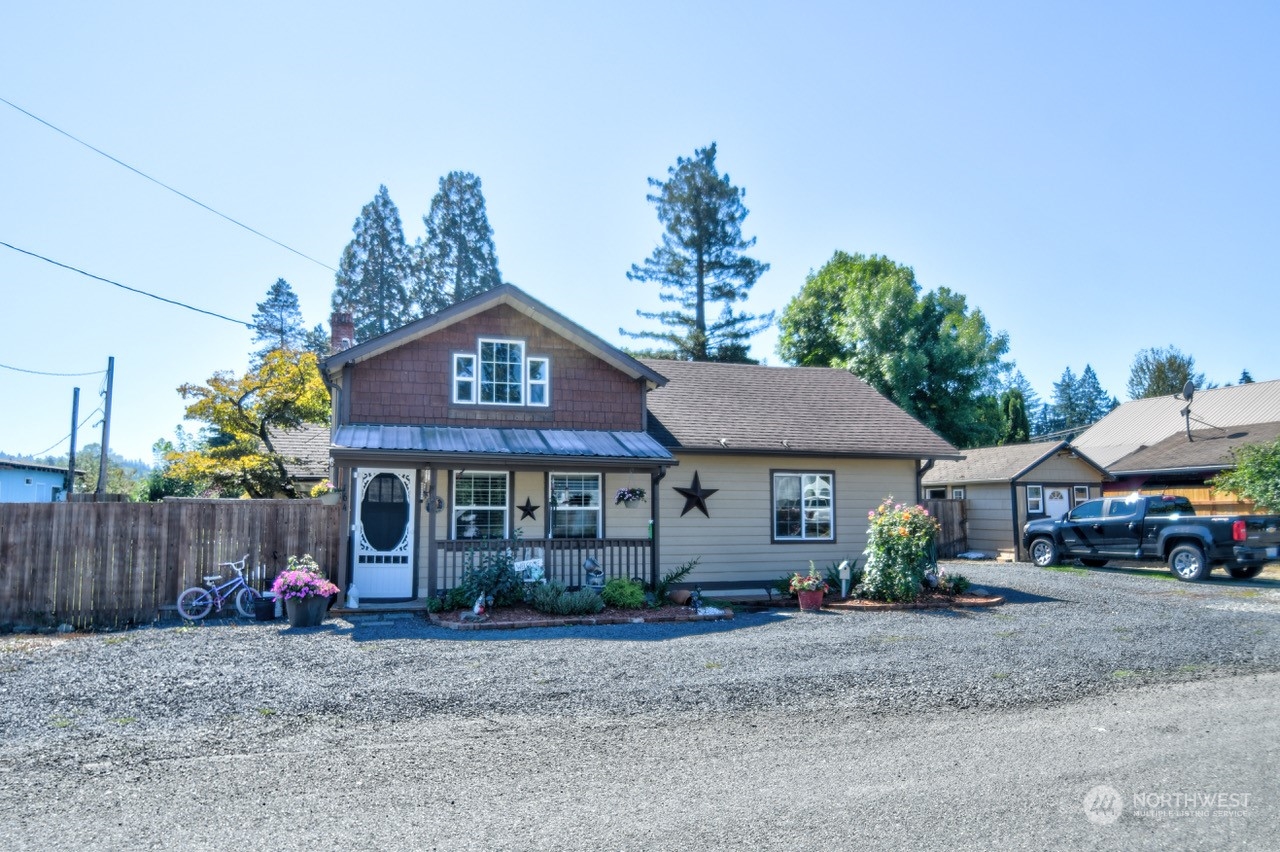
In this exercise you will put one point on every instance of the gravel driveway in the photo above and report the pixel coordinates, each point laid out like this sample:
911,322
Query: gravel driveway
112,705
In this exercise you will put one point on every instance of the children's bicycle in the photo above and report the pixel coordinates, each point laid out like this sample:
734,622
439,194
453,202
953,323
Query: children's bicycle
196,602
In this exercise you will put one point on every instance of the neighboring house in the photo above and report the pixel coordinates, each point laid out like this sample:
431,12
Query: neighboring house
499,423
305,450
31,482
1145,422
1183,464
1004,487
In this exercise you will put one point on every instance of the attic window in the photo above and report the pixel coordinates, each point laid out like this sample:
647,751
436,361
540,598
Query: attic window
498,373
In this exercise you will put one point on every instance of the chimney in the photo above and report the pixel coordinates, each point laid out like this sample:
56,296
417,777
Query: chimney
342,331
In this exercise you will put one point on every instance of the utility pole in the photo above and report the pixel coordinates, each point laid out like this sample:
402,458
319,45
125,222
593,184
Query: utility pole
106,428
69,485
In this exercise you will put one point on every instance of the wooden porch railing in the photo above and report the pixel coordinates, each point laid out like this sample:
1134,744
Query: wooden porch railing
562,558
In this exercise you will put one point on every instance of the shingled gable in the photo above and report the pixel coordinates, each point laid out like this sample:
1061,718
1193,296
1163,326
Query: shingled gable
515,298
1208,450
999,464
804,411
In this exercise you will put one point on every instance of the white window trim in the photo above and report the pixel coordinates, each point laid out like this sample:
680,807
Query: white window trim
457,356
1075,494
1035,504
500,341
455,508
544,382
957,492
598,509
773,506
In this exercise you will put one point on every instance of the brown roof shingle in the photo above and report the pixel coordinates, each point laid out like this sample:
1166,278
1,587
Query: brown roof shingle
305,450
1208,449
746,408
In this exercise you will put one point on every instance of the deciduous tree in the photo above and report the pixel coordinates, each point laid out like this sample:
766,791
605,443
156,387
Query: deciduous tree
1256,475
373,276
1162,372
457,259
284,391
700,261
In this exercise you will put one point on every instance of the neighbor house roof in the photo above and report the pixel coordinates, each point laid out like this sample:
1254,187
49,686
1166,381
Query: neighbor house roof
471,446
746,408
1208,450
15,464
515,298
999,464
1146,422
305,450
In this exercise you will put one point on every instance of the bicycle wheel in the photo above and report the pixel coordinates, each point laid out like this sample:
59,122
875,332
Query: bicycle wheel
245,599
195,603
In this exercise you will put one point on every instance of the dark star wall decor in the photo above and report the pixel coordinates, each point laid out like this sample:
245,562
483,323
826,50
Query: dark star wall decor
528,509
695,496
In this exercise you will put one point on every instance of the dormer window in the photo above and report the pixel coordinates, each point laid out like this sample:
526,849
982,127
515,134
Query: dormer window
498,373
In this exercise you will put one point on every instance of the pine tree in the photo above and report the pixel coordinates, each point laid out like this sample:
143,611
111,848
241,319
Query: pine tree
277,324
372,280
700,260
457,259
1245,378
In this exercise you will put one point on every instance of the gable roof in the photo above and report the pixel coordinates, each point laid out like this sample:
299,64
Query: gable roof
15,464
1146,422
747,408
1208,450
999,464
517,299
304,448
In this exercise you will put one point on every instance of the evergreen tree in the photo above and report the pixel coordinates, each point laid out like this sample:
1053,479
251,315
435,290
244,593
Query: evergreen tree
316,341
1030,399
372,280
1017,428
1092,401
457,260
1162,372
1077,403
700,260
1245,378
277,324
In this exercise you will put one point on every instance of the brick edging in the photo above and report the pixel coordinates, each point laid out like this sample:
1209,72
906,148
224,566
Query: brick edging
878,606
574,621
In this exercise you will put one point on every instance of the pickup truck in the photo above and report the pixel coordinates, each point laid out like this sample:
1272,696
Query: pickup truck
1164,528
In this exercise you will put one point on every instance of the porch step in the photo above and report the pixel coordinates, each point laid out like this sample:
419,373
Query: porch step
404,608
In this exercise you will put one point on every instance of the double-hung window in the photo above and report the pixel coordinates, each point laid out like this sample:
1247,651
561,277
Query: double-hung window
499,373
480,505
803,506
1035,499
575,505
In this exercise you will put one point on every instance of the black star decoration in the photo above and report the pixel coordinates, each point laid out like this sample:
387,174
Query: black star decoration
528,509
695,496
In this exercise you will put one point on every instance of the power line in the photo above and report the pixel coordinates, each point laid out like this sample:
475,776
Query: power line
68,435
166,186
43,373
125,286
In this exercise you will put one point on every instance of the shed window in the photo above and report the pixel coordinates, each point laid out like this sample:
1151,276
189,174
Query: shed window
1080,493
936,494
1035,499
957,493
803,506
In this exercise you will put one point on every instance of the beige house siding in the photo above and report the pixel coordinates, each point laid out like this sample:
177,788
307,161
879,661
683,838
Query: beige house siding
1062,468
735,544
989,514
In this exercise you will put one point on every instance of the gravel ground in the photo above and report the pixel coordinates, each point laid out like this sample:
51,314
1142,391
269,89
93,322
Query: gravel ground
1060,636
181,696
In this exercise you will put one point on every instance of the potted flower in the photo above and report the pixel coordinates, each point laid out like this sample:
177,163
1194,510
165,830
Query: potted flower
627,496
809,588
305,591
328,493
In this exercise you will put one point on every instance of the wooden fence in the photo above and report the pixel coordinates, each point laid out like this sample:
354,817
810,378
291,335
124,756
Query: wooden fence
951,517
117,564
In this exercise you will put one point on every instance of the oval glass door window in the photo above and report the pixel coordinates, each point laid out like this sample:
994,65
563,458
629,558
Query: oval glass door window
384,511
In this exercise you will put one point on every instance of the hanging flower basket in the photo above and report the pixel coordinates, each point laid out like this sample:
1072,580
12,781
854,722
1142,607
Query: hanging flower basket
628,496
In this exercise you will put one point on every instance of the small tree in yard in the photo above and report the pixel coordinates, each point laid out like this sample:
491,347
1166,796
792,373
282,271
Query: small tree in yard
1256,476
898,552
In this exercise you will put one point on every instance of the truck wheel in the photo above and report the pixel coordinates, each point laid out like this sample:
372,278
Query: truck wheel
1044,552
1094,563
1244,572
1187,562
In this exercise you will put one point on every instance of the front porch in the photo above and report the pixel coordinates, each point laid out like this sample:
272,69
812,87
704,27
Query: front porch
564,560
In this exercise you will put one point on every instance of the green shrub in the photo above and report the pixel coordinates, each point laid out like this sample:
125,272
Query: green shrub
833,574
953,584
899,543
553,599
625,594
671,578
489,573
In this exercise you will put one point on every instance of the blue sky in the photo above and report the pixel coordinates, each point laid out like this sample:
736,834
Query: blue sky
1096,178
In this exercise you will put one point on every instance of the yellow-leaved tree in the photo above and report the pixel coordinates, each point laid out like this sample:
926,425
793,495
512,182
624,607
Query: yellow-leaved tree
284,391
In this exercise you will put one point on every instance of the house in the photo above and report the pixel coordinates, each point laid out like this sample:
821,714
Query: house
1182,464
498,423
305,451
1004,487
31,482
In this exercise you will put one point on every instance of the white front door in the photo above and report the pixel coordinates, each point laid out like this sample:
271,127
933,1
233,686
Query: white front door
1057,501
382,535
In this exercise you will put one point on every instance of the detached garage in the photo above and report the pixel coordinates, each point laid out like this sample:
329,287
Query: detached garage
1004,487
